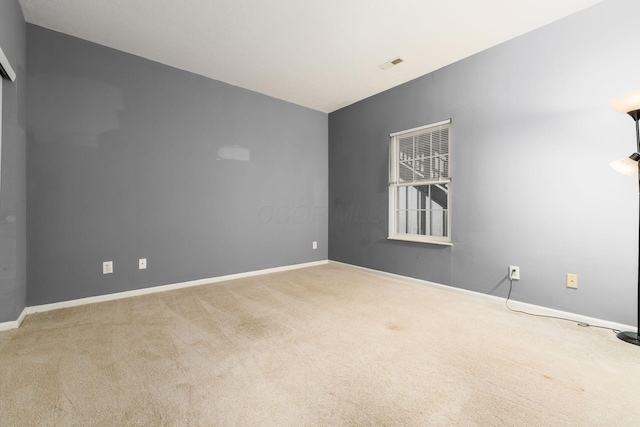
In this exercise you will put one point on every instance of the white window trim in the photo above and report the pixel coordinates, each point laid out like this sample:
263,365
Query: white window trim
437,240
432,125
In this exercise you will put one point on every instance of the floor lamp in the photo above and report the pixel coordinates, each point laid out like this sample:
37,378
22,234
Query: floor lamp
629,103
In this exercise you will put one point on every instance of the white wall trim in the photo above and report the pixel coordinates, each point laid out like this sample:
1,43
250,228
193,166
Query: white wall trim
152,290
516,305
13,324
164,288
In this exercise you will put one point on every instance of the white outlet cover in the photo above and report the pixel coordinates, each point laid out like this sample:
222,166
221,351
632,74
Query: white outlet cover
107,267
142,264
314,245
516,272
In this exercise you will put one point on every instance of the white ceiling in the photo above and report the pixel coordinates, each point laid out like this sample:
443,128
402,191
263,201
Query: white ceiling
321,54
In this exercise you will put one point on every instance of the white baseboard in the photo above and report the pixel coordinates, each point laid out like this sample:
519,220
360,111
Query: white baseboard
13,324
516,305
152,290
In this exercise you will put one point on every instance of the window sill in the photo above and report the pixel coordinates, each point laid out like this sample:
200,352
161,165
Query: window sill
408,238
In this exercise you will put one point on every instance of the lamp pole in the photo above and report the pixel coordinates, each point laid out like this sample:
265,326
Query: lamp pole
630,337
629,103
633,337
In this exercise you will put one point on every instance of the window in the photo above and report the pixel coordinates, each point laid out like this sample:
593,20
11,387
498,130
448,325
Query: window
420,184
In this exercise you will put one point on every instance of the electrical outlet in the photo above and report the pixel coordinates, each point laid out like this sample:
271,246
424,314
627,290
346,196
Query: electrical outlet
314,245
514,272
142,264
572,281
107,267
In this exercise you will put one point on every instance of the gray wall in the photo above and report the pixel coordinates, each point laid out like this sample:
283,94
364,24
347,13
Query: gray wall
13,218
533,134
123,163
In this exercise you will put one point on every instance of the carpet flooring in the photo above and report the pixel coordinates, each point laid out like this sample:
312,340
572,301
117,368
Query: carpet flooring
320,346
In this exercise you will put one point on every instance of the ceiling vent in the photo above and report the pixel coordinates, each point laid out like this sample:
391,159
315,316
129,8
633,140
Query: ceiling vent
390,64
5,69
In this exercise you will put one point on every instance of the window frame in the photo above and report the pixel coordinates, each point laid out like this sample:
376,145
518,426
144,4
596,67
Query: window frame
394,189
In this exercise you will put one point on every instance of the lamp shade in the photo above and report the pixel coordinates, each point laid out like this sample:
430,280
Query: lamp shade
626,165
627,102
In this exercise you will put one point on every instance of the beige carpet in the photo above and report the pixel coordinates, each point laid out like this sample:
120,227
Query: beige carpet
322,346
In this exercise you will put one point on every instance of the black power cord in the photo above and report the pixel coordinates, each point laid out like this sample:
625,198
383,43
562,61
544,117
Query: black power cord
581,324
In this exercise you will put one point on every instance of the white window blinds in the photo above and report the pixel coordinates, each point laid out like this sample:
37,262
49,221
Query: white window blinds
421,155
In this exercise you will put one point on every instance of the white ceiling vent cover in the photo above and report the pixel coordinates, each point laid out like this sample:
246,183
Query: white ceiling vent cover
390,64
5,68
